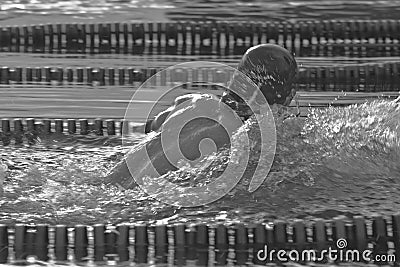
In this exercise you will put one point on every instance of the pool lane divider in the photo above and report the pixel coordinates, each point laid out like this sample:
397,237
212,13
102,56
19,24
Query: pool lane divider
28,129
316,37
182,243
364,77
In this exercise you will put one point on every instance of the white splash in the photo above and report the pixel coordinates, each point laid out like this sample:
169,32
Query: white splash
3,170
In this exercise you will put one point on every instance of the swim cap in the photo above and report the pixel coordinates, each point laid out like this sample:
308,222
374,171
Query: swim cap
273,69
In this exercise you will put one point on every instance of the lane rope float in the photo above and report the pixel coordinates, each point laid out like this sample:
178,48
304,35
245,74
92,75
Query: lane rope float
370,77
177,243
305,38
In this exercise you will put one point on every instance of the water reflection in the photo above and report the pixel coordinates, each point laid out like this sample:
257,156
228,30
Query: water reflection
20,11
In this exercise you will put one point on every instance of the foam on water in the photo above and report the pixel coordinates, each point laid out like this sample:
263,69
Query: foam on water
336,161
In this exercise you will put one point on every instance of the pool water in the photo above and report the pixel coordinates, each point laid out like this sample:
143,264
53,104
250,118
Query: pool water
20,12
337,161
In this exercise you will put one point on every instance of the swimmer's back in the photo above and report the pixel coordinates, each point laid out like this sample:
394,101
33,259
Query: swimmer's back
179,103
271,67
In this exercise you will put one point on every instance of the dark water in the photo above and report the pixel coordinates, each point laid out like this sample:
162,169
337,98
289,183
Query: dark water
50,11
339,161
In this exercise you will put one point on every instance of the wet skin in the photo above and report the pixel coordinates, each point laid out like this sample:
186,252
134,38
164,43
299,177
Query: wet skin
271,67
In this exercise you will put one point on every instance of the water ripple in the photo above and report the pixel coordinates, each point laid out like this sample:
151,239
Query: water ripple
338,161
20,11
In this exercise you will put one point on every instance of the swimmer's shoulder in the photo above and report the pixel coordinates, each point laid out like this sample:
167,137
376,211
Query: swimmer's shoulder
193,98
179,102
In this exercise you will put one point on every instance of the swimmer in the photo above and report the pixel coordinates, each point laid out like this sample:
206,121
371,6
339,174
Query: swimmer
271,67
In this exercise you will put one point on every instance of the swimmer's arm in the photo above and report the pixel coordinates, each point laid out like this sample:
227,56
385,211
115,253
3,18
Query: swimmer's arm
156,123
120,175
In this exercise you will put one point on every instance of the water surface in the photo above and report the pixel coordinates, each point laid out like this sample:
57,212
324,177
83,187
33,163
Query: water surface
21,12
338,161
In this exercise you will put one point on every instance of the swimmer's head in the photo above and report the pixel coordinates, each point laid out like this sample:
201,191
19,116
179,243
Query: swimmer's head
273,69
